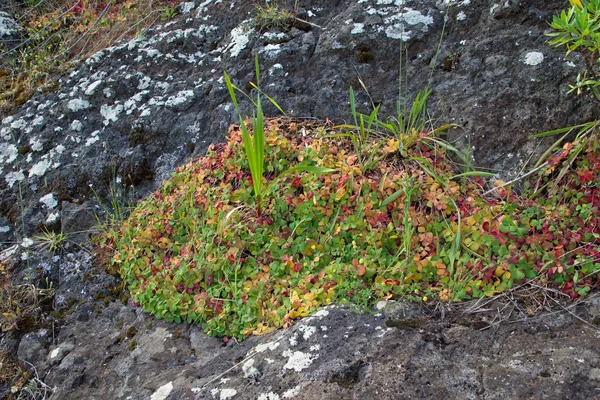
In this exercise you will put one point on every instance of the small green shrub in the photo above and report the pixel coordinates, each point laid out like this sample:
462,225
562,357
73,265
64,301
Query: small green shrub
272,15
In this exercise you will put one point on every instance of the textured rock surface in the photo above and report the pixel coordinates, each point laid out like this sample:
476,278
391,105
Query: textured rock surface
401,353
124,119
10,32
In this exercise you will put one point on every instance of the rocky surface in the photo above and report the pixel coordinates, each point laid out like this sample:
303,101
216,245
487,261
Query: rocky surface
10,33
123,120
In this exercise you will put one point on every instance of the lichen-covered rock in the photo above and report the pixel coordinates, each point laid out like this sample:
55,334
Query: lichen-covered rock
399,353
11,32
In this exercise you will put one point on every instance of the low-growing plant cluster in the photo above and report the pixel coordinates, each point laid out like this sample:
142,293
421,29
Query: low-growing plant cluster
57,32
408,227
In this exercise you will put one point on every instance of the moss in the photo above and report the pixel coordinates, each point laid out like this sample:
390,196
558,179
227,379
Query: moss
120,323
149,325
132,345
132,331
365,57
191,146
178,333
24,149
450,62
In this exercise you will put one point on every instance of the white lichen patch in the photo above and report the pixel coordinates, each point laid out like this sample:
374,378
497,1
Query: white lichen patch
187,7
144,83
266,346
14,177
91,89
8,153
27,243
4,229
180,98
533,58
8,26
293,340
18,124
268,396
271,51
5,133
358,28
240,38
92,139
52,218
111,113
227,394
399,21
55,353
36,144
78,105
40,167
49,201
291,393
298,360
163,392
461,16
249,370
321,313
307,331
76,126
38,121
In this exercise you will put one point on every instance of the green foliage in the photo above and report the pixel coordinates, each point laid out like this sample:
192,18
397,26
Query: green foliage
51,241
578,29
168,13
272,15
255,146
195,252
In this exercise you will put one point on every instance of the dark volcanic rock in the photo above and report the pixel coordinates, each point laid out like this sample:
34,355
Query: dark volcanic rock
335,354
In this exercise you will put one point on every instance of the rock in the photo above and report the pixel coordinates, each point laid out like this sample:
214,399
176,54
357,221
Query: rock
33,348
335,354
77,221
10,32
